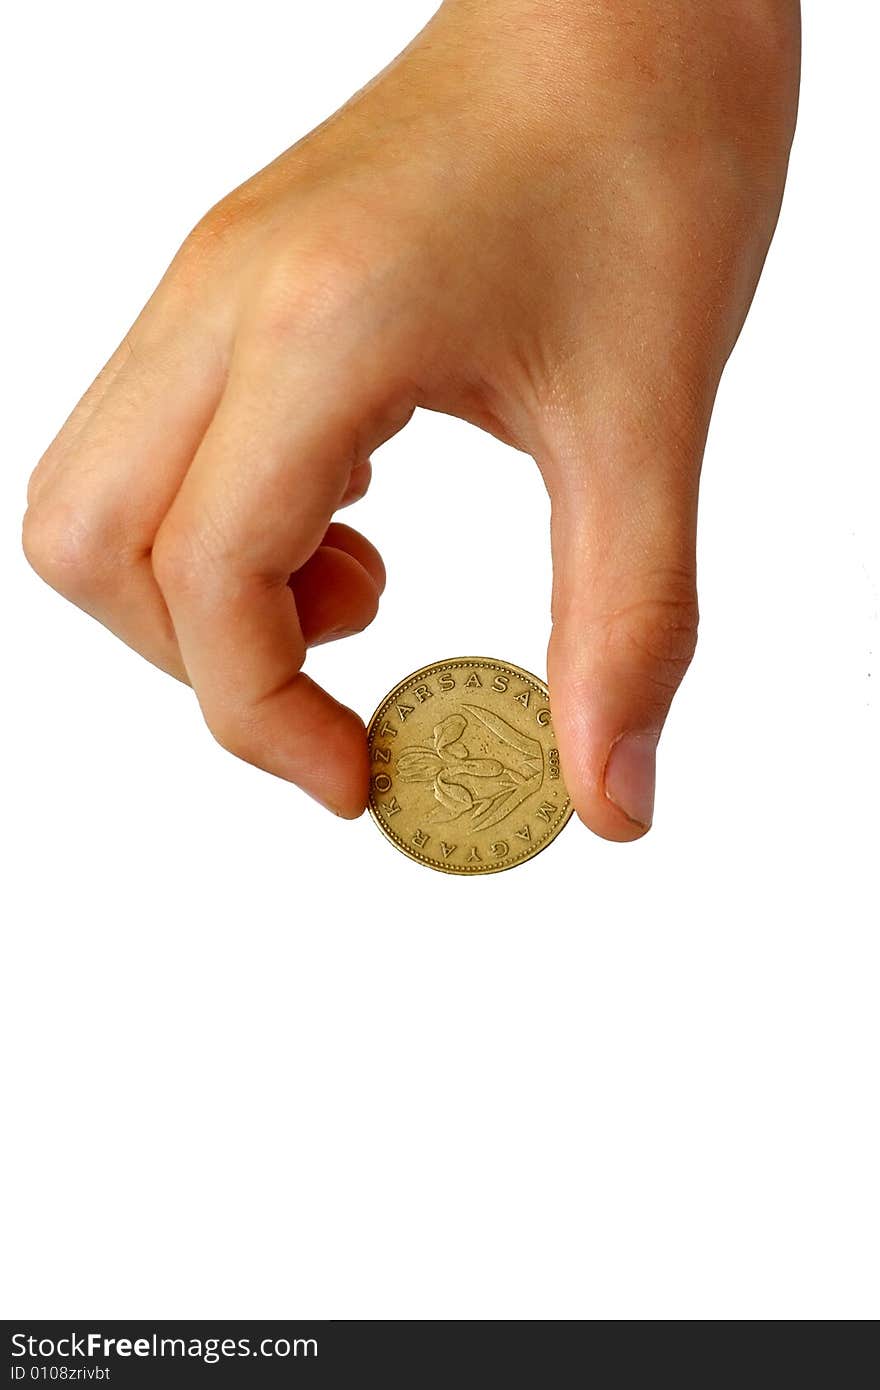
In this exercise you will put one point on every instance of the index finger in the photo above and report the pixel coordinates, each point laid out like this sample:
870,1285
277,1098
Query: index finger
272,468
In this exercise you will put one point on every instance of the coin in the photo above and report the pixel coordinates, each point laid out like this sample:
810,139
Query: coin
464,767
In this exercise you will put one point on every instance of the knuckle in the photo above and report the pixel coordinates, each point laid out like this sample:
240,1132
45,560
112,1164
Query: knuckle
665,645
202,263
196,555
64,550
308,290
176,560
653,635
213,237
658,633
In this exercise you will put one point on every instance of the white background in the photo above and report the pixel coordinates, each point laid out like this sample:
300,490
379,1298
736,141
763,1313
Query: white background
258,1064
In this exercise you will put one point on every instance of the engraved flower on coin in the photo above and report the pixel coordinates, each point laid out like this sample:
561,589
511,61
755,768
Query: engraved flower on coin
484,788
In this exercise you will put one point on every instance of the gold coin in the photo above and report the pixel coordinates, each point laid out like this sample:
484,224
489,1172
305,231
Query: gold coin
464,767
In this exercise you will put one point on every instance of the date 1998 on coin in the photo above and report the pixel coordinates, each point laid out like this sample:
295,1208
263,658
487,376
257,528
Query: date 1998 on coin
464,767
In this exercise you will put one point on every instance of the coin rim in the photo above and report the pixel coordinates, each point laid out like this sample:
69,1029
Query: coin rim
423,672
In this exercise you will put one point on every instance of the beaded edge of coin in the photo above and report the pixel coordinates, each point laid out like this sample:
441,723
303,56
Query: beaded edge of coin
411,852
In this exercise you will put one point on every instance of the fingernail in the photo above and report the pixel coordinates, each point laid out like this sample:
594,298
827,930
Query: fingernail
334,634
630,775
327,805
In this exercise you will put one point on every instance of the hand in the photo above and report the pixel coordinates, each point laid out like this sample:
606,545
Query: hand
545,218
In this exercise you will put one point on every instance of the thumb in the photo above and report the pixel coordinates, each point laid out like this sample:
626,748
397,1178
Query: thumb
624,614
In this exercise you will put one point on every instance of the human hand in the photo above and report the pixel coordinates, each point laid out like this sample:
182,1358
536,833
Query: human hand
546,218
